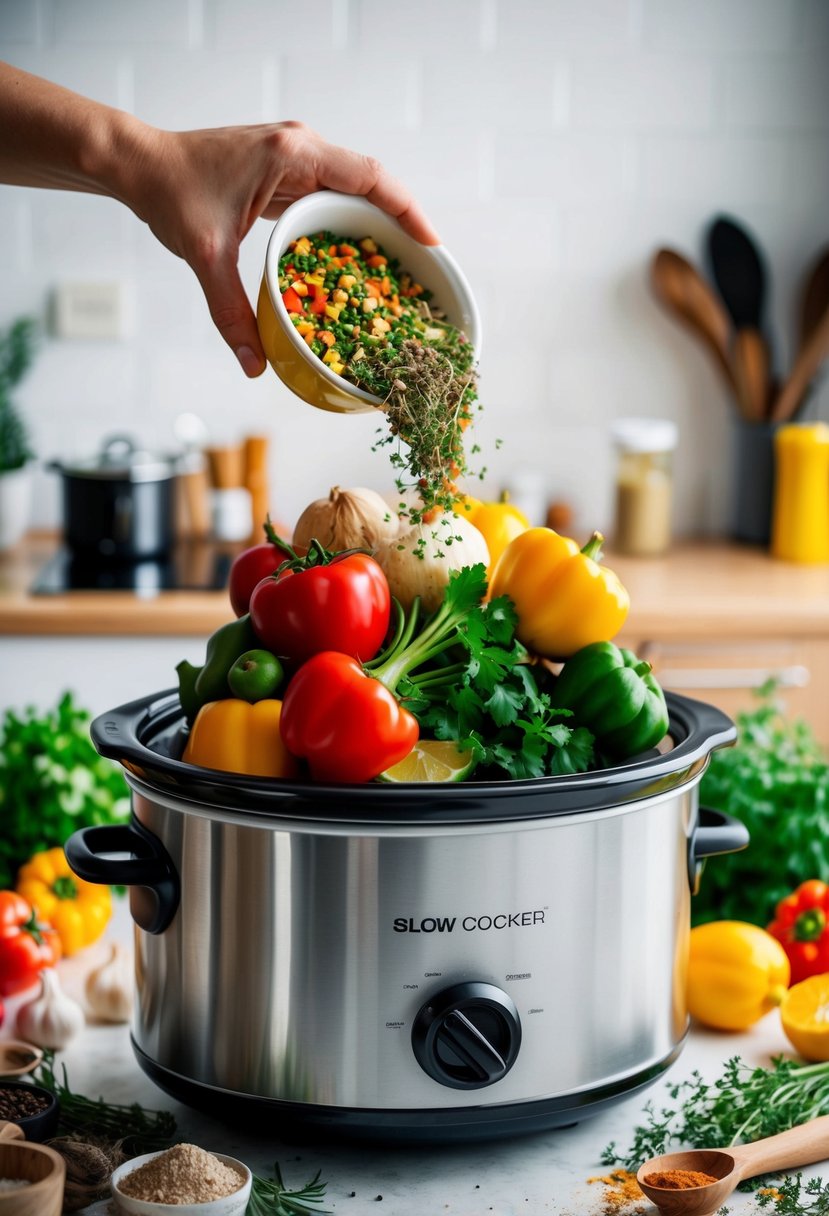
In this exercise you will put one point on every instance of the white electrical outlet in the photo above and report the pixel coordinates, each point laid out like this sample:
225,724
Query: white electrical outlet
90,311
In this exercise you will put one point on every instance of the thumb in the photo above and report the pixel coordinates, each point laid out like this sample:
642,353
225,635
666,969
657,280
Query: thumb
232,314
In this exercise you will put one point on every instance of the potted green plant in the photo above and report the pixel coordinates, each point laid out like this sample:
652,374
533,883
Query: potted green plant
17,345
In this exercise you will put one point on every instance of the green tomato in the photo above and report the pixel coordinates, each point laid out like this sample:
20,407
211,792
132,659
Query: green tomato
255,675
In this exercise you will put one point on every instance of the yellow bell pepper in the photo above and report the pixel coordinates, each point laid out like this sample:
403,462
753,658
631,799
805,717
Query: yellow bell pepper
565,600
737,972
78,911
240,737
498,523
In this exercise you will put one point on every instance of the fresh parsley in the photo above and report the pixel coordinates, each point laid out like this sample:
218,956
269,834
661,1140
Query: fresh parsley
776,780
466,677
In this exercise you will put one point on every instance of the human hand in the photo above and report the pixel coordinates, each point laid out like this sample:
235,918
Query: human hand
200,192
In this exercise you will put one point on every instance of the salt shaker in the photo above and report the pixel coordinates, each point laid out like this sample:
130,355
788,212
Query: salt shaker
644,484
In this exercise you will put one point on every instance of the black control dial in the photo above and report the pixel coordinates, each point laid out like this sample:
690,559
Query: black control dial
467,1036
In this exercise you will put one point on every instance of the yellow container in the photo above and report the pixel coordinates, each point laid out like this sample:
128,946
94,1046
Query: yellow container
800,515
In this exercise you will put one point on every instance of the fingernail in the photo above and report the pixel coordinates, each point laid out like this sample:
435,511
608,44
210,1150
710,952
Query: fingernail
251,363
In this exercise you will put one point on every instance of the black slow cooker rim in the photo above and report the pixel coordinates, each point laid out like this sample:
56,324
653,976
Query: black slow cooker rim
125,734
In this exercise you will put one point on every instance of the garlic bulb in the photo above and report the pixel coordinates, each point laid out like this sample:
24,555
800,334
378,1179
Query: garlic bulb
347,519
52,1019
109,987
420,559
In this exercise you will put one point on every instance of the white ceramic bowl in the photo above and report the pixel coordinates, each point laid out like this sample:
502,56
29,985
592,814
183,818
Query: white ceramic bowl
350,216
228,1205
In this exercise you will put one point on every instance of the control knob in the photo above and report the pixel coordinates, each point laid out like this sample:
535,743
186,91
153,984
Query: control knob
467,1036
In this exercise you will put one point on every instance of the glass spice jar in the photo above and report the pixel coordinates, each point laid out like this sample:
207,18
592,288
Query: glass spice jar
644,485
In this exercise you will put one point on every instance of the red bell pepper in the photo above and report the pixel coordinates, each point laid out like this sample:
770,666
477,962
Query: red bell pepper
26,946
801,925
291,300
344,719
323,601
347,725
319,301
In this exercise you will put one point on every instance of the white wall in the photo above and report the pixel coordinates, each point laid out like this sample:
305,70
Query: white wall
555,144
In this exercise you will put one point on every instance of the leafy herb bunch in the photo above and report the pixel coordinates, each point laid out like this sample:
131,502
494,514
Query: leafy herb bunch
52,781
16,354
481,689
776,780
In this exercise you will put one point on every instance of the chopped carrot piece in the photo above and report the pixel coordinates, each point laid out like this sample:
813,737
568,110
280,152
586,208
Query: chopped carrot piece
376,261
326,336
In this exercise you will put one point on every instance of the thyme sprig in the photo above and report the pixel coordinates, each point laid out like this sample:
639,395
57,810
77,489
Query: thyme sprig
793,1196
742,1105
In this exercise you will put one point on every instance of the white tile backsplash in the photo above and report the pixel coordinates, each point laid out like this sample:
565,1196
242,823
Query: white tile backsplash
555,143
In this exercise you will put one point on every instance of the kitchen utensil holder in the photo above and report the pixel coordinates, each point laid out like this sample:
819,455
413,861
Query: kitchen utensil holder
753,486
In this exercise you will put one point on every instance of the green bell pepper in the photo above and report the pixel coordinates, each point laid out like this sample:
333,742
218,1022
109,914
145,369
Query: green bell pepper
616,696
198,685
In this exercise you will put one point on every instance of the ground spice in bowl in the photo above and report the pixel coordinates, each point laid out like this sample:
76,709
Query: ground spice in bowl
183,1174
679,1180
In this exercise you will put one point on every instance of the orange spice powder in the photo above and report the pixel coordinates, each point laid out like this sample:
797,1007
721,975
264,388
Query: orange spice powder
622,1193
679,1180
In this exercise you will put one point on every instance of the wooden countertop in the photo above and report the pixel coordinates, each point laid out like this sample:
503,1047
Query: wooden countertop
701,589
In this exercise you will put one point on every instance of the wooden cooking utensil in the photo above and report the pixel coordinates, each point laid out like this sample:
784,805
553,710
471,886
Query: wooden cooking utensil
41,1167
18,1058
684,292
752,373
806,365
11,1131
799,1146
815,299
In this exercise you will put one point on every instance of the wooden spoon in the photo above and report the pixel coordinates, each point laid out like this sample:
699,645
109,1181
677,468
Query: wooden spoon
18,1058
801,1145
11,1131
684,292
806,365
815,299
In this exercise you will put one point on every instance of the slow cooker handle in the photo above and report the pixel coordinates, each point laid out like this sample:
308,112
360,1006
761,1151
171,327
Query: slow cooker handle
715,833
148,869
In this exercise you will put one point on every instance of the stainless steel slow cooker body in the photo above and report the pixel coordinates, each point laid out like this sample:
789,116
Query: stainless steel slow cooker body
423,962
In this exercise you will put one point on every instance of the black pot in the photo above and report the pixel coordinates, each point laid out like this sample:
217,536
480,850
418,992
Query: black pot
119,505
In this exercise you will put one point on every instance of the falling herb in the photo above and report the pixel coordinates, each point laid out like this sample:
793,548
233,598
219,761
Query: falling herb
270,1197
744,1104
429,393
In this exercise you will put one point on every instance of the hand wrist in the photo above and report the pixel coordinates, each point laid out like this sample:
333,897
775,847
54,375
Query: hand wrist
114,159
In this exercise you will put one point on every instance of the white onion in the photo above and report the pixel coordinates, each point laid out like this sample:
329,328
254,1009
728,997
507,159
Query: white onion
450,542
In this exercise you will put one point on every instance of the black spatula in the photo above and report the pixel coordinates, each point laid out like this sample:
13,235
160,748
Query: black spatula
740,275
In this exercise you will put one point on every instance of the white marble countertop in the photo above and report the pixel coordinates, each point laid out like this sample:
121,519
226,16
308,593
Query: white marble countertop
545,1173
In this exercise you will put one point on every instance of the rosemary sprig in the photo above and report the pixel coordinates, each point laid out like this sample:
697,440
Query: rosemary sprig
136,1129
270,1197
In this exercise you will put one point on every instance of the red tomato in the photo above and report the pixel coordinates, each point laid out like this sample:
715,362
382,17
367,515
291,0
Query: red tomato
249,568
26,946
348,726
343,605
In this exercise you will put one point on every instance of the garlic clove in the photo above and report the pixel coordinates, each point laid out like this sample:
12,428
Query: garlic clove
109,987
51,1019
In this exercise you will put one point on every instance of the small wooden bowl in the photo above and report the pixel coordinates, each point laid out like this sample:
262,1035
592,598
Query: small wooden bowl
43,1168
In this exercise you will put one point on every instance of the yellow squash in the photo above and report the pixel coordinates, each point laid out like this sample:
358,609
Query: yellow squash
736,973
78,911
565,600
240,737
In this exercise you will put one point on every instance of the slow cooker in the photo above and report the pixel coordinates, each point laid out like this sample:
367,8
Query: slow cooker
414,962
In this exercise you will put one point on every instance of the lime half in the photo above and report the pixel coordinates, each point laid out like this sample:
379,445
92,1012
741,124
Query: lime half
432,760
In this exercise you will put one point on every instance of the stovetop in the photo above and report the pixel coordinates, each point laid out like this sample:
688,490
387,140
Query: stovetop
190,566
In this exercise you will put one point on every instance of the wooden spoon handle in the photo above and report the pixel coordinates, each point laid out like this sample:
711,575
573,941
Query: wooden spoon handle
801,1145
751,371
806,365
11,1131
